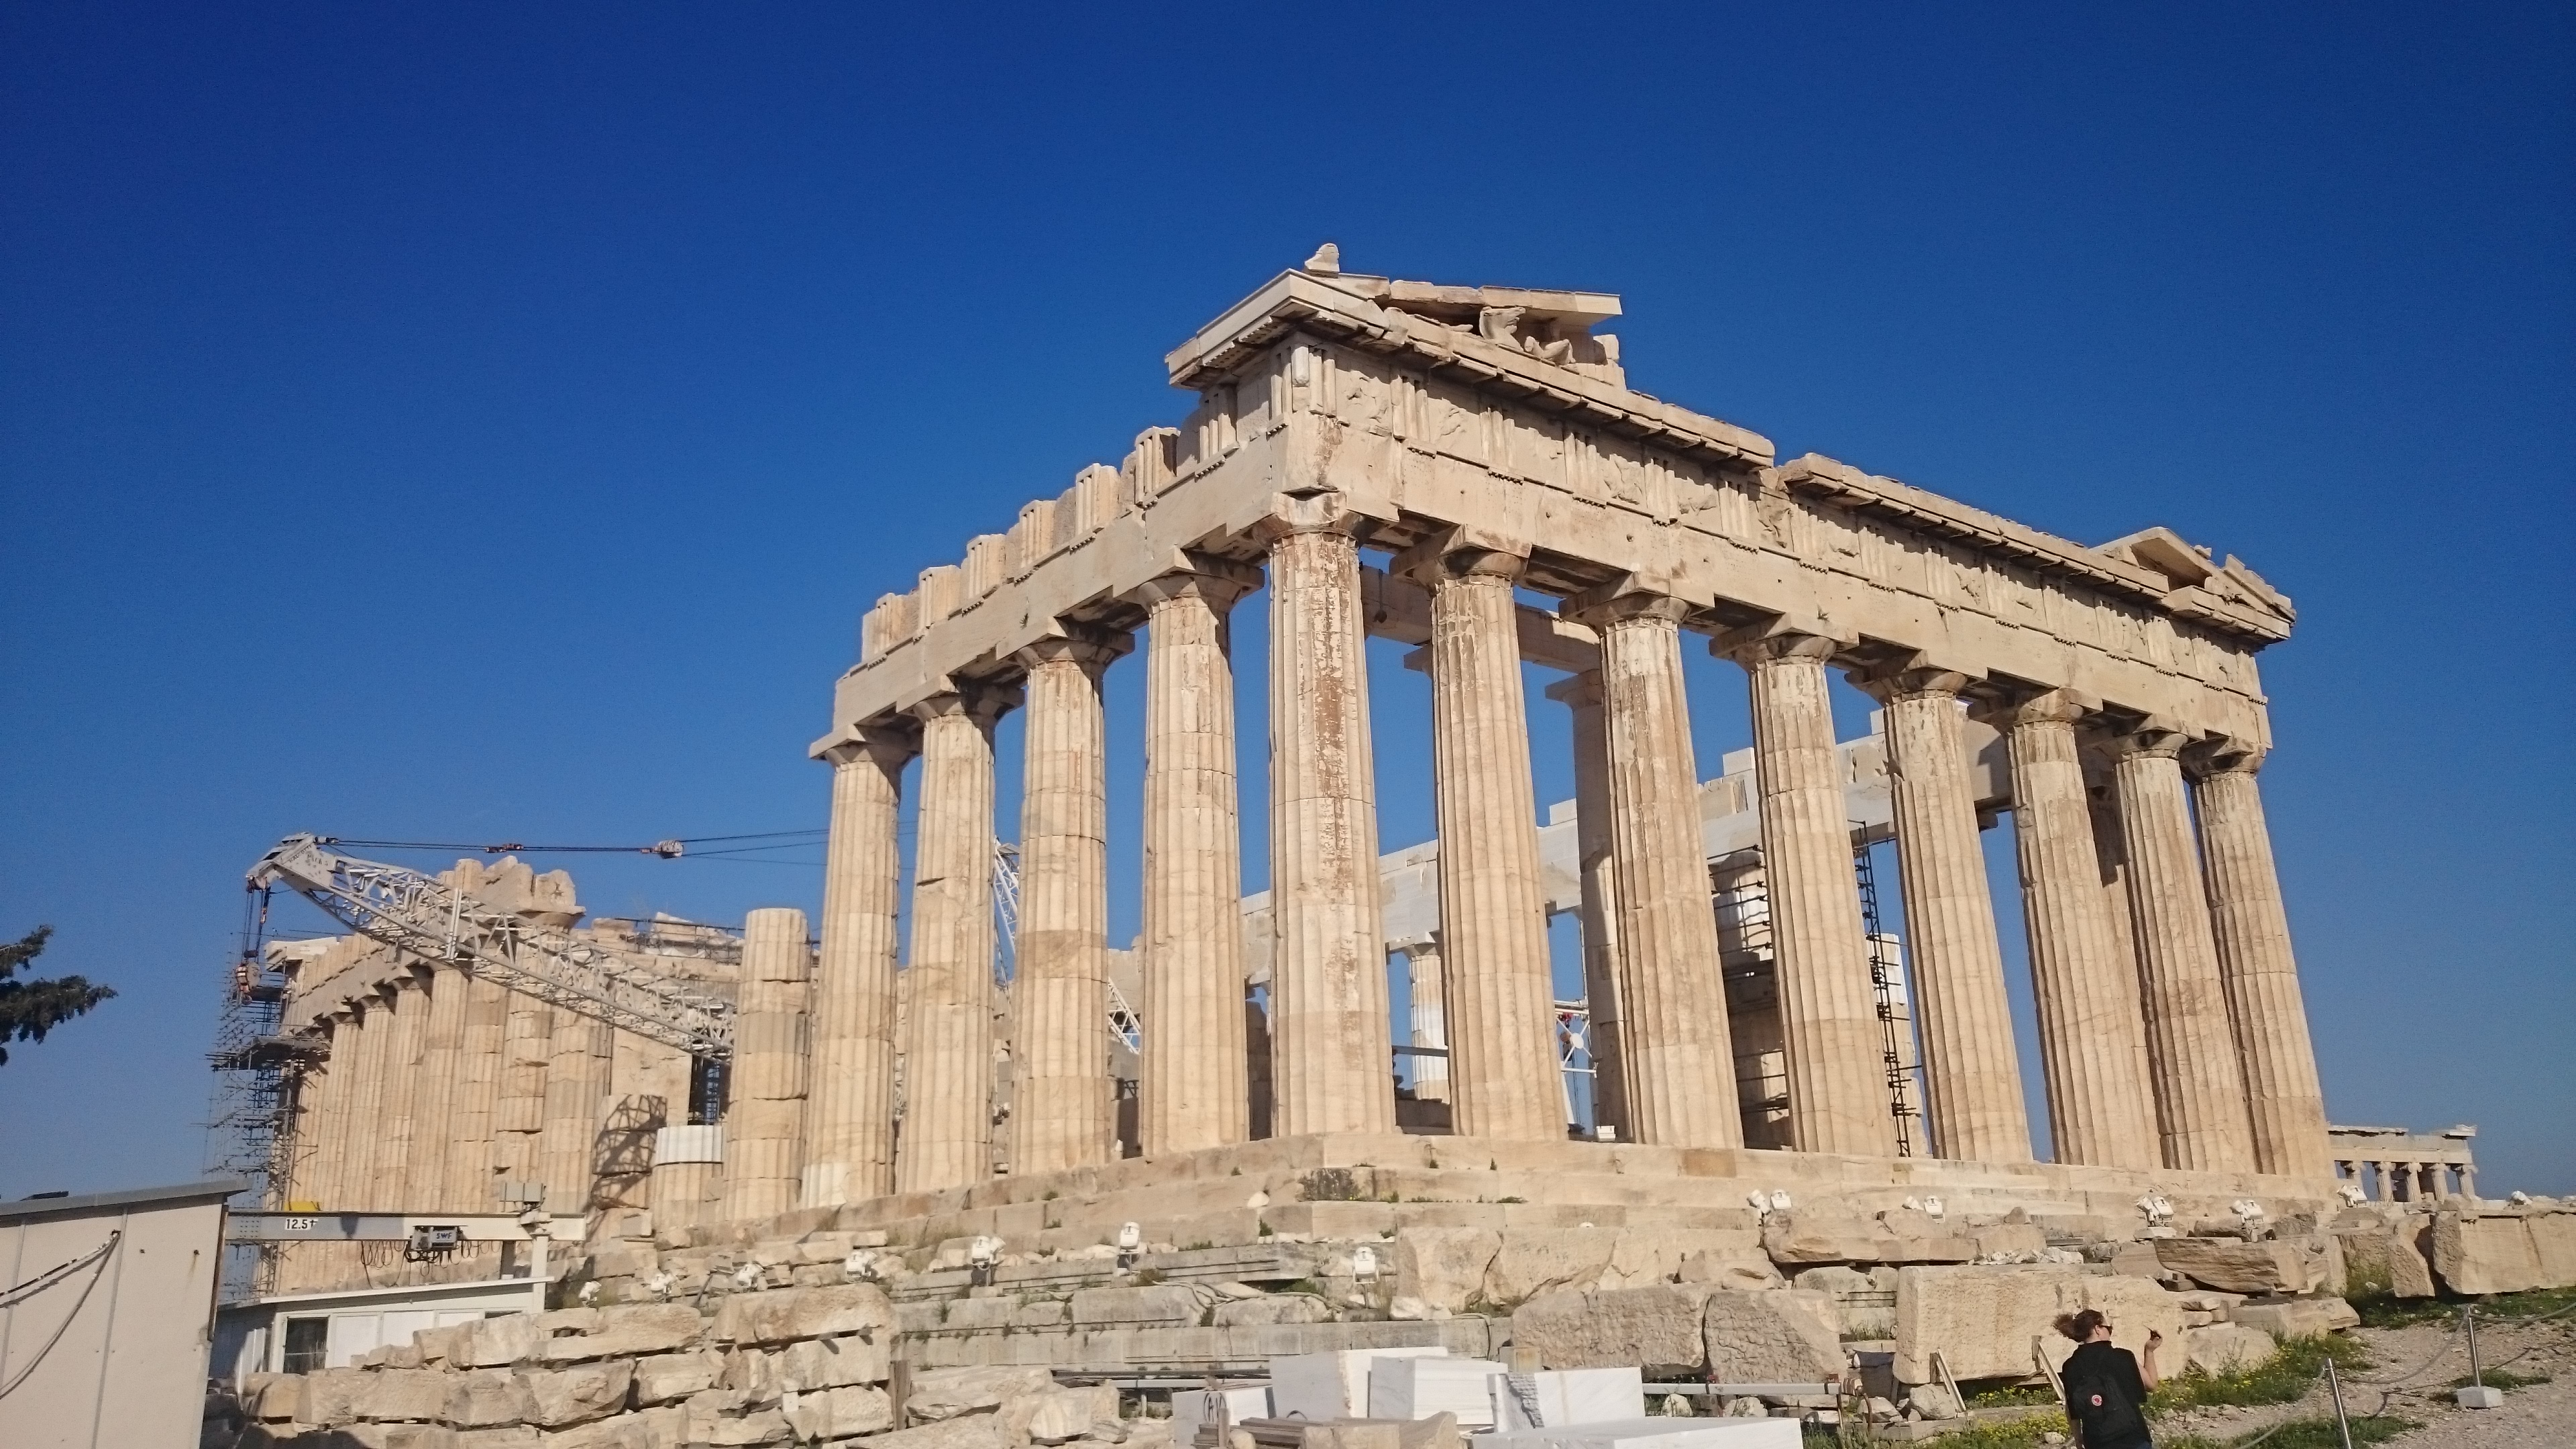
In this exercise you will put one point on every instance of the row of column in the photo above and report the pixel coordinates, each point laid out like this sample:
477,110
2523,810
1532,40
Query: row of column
2403,1181
2220,1078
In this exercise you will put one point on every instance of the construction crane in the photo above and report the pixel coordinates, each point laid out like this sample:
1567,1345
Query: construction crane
416,913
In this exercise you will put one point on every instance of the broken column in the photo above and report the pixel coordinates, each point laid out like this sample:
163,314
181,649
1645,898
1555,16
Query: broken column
1191,1087
1504,1080
2252,930
947,1136
1972,1077
1328,1006
849,1116
1676,1062
1063,1113
519,1108
2091,1043
1838,1101
765,1120
2200,1104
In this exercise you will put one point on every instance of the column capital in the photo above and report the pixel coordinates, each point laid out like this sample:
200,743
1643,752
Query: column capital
1579,690
979,700
886,743
2222,756
1887,686
1761,645
1092,648
1619,601
1319,511
1216,582
2056,706
1460,552
2153,739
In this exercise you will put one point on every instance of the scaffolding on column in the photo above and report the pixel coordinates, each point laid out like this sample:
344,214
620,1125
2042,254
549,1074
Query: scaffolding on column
1895,1019
250,1125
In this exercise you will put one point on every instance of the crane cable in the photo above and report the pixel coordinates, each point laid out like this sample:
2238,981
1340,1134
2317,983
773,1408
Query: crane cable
96,1260
666,849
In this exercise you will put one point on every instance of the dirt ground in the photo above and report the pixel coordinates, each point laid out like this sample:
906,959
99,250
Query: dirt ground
2411,1376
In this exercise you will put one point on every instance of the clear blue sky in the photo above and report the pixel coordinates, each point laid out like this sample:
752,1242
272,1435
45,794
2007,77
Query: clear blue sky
475,422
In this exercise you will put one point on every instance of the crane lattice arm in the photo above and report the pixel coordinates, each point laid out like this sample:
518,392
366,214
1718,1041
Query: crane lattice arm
413,912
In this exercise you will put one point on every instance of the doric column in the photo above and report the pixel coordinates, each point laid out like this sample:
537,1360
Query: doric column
849,1112
1581,695
397,1161
1676,1057
1503,1074
519,1111
1427,989
1971,1071
1192,1090
2252,929
578,1064
1838,1096
321,1110
948,1058
1328,1009
427,1186
470,1156
2092,1045
1063,1111
765,1122
2200,1106
356,1184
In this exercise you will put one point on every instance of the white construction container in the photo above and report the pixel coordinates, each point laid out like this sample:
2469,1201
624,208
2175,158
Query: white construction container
1335,1385
1417,1388
1190,1409
1653,1434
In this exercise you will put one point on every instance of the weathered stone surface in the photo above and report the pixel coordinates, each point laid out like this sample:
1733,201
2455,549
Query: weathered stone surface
2238,1267
519,1436
1864,1301
2007,1239
1160,1303
578,1395
486,1399
2488,1254
1725,1270
784,1314
1272,1308
1933,1401
1059,1415
329,1398
839,1412
727,1431
947,1393
2297,1317
1785,1335
630,1332
1980,1320
975,1431
1444,1268
2553,1241
493,1342
2226,1347
2384,1260
394,1436
1532,1263
1641,1258
663,1428
830,1363
403,1394
1656,1328
669,1377
1814,1238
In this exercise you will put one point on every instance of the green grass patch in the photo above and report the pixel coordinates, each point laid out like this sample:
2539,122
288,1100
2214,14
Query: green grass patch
2318,1433
2406,1312
2502,1379
2008,1396
2280,1380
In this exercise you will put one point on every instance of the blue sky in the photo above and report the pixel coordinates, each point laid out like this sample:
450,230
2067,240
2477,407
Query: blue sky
490,422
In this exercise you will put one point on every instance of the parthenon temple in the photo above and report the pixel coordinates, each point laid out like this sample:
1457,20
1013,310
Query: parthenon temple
1464,470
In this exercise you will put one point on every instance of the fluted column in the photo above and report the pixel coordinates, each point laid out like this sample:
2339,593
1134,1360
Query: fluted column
578,1063
321,1109
478,1092
849,1110
948,1058
1971,1071
1676,1054
2200,1104
1427,988
765,1122
1838,1095
519,1109
1328,1007
1192,1088
1581,695
1503,1074
397,1161
427,1187
2092,1044
356,1185
2252,929
1063,1112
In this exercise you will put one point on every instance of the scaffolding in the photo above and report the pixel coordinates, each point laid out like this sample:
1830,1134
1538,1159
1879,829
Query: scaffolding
1895,1018
250,1123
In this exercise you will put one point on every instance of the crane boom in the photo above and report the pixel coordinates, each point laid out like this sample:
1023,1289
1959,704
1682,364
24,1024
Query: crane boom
413,912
